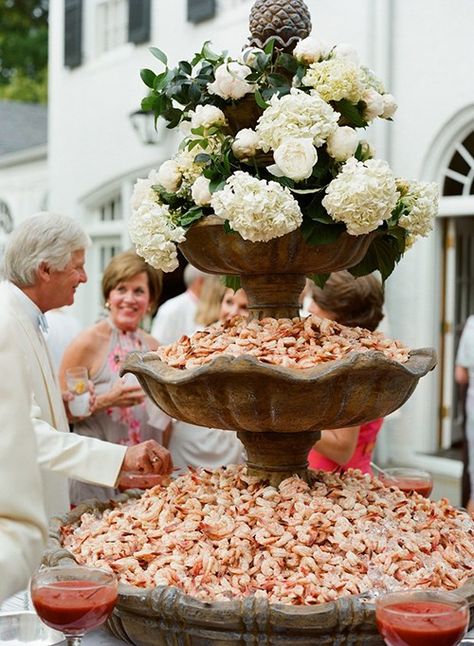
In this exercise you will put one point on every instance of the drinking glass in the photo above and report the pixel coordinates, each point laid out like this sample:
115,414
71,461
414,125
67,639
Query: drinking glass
408,480
73,599
422,617
77,381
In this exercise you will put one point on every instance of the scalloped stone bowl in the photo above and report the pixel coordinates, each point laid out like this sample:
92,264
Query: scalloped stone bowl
244,394
279,412
165,616
209,248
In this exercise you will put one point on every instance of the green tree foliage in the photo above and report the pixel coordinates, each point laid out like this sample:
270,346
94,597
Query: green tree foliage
23,50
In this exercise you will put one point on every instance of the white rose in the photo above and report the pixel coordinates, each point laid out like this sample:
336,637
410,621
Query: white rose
310,50
230,81
207,116
200,191
296,158
344,50
245,143
389,106
342,143
169,176
373,104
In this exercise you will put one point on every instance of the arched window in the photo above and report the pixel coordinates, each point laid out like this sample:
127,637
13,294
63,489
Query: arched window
6,220
459,175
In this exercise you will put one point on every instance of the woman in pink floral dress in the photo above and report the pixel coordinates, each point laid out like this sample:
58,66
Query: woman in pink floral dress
131,289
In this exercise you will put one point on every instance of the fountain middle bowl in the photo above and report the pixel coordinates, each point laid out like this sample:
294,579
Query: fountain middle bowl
244,394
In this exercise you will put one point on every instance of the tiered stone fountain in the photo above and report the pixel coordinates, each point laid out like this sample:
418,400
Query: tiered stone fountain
277,412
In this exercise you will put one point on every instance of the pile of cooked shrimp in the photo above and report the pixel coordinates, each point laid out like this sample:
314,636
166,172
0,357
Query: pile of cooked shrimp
294,343
223,534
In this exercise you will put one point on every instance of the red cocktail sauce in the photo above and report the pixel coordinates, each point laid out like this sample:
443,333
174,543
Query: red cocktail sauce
74,606
409,485
421,623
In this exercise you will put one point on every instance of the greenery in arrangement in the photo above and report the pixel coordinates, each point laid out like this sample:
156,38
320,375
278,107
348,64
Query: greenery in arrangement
272,143
24,50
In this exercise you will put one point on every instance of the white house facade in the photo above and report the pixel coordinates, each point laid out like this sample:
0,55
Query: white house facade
422,49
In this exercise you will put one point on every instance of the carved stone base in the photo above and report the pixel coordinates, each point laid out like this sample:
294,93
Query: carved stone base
276,456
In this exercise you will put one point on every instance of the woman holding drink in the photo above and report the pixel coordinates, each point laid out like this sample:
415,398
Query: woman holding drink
131,289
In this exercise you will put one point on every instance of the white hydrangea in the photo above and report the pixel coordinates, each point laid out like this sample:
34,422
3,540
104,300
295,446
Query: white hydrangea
230,81
362,196
335,79
155,235
257,209
190,169
310,50
296,115
207,116
421,200
143,191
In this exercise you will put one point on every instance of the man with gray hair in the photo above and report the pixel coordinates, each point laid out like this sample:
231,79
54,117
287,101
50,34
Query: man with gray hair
43,266
177,315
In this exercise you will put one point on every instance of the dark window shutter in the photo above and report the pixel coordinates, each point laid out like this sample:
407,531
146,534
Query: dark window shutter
139,21
199,10
72,33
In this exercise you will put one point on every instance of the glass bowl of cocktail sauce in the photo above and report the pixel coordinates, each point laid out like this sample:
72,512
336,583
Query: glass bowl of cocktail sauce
425,617
409,480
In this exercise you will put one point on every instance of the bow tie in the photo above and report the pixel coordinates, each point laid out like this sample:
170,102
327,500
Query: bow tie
43,323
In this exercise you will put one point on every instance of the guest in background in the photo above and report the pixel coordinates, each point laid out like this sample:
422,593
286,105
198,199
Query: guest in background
177,316
198,446
464,375
355,302
131,289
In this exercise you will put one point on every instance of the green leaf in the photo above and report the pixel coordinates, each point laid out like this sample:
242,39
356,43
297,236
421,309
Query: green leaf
279,81
232,282
227,227
319,279
216,185
351,112
161,80
316,233
185,67
259,100
192,215
148,77
208,54
161,56
147,103
382,255
269,47
288,62
202,158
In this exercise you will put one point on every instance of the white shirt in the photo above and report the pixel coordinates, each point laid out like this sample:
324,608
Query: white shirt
175,318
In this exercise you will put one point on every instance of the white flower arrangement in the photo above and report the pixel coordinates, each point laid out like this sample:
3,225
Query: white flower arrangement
272,144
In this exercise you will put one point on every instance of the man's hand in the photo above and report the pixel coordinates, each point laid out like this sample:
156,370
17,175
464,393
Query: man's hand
147,457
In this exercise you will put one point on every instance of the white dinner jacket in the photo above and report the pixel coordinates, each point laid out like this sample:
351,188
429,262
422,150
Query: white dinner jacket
23,526
62,454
